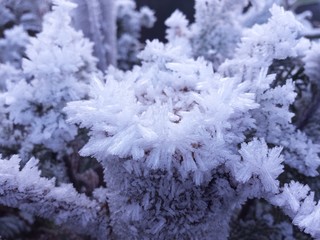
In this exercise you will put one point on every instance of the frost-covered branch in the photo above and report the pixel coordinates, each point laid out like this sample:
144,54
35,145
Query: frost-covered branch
168,124
273,118
27,190
298,202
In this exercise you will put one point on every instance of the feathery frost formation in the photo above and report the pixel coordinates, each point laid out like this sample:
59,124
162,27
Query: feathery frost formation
174,119
171,111
27,190
183,140
57,70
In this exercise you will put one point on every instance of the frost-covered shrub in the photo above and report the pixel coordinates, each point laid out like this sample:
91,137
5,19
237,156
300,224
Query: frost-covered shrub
259,53
57,70
174,120
161,122
184,142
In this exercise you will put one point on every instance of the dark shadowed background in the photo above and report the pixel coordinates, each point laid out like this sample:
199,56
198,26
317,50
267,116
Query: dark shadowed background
163,10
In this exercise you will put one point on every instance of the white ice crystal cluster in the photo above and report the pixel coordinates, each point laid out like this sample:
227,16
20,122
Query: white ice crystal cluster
184,139
172,111
174,123
298,202
165,125
57,68
273,118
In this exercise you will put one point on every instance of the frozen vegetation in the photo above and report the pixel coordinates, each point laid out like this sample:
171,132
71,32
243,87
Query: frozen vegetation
213,134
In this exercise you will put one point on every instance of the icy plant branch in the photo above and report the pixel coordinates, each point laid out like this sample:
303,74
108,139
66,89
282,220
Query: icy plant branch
27,190
298,202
